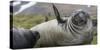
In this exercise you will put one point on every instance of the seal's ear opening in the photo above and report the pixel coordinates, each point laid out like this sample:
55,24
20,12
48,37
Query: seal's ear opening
56,12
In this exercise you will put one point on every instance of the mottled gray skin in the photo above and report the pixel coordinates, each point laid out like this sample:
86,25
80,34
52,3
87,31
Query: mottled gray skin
73,30
24,38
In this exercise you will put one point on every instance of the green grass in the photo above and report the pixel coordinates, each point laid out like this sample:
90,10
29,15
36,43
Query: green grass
94,40
28,21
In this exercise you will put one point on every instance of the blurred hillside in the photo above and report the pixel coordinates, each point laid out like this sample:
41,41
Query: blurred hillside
64,9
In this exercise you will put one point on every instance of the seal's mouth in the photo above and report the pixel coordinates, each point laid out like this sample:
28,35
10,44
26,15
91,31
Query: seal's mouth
80,22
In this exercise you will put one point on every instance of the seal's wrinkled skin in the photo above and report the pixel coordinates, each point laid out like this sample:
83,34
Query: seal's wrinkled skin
73,30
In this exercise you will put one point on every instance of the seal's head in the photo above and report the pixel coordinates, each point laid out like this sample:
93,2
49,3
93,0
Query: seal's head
80,17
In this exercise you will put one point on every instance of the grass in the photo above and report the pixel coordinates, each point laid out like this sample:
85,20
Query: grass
28,21
94,40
